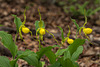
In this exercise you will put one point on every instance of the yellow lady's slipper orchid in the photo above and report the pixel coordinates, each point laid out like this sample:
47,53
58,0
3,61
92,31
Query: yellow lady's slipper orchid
87,30
42,31
70,41
25,30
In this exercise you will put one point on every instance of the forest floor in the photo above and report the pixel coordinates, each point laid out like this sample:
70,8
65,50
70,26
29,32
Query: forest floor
53,16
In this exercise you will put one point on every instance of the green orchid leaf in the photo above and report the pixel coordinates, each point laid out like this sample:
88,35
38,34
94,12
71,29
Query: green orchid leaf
29,57
73,47
76,54
51,56
65,63
8,42
67,55
76,24
56,64
18,22
4,62
62,33
37,25
47,51
60,52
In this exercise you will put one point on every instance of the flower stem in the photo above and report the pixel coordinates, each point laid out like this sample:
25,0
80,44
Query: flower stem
15,38
39,43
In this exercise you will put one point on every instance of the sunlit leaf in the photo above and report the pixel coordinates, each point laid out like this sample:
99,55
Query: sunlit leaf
67,55
60,52
76,54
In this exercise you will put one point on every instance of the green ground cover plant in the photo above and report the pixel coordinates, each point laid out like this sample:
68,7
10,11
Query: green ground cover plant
62,58
77,9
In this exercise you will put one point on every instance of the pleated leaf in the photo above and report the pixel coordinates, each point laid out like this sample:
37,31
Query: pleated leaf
4,62
8,42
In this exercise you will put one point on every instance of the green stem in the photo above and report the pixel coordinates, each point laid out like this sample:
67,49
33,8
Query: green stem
76,34
16,37
80,32
88,39
53,36
20,33
38,39
39,14
62,43
39,43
